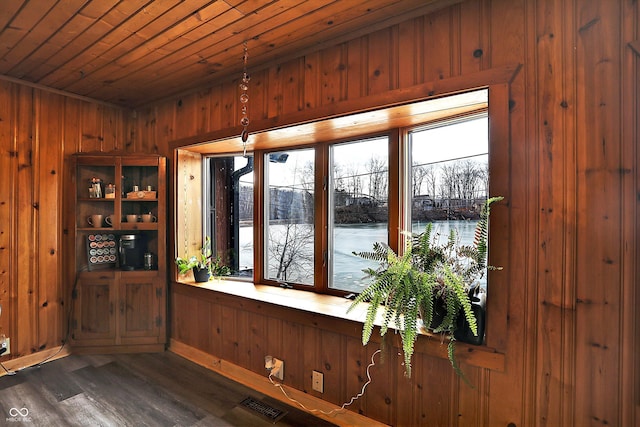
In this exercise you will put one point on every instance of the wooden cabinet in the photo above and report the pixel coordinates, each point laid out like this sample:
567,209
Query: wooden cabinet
119,253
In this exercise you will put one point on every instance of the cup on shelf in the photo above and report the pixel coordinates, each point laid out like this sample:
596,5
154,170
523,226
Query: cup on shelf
132,218
95,220
109,220
148,217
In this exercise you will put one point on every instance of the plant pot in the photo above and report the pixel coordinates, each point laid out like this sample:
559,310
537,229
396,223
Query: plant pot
479,308
439,311
463,333
201,275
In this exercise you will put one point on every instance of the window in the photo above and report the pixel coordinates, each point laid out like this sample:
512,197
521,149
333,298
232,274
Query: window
289,216
229,211
450,176
359,208
317,202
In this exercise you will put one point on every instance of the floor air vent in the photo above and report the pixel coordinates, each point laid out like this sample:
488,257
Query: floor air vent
263,409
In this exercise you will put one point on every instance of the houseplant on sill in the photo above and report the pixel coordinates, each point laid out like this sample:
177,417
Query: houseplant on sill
204,266
428,281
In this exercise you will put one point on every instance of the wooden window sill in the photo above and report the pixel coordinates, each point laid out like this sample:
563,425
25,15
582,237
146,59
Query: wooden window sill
333,310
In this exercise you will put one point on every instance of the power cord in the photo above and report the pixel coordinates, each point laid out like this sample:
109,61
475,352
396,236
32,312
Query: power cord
344,405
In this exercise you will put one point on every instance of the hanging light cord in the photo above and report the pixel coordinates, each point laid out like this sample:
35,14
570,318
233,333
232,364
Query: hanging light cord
244,100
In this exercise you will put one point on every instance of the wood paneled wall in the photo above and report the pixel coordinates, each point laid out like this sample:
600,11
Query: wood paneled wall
39,129
574,218
573,326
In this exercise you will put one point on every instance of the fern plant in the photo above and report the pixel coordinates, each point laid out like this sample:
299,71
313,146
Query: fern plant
407,287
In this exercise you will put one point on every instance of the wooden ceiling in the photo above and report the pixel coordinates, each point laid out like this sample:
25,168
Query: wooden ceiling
133,52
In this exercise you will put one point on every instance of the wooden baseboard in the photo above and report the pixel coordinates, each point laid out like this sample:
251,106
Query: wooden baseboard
262,385
40,357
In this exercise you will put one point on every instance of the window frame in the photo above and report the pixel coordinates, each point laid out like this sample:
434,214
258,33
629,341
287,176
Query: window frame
225,142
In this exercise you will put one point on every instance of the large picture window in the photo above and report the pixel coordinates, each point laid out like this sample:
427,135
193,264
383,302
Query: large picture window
318,203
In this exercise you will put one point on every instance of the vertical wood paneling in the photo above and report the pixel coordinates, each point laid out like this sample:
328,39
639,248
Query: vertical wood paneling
356,68
215,329
572,234
7,190
292,90
499,19
410,48
472,49
630,130
38,131
437,54
556,306
312,80
203,111
331,77
332,348
23,227
48,187
187,108
204,336
292,334
355,376
380,54
230,332
599,212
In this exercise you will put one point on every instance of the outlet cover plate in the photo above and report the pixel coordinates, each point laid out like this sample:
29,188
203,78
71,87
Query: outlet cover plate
317,381
5,343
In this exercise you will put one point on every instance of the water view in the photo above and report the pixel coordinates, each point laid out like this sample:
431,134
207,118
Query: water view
347,268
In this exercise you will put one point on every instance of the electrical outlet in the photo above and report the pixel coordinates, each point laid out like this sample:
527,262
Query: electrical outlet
275,367
278,369
5,344
317,381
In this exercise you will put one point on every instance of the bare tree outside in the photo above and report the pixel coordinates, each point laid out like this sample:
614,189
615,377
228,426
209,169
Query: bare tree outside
377,170
290,232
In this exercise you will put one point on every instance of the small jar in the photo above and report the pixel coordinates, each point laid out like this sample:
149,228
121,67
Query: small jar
110,191
148,261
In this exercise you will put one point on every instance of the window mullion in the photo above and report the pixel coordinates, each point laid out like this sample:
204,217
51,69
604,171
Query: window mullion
321,220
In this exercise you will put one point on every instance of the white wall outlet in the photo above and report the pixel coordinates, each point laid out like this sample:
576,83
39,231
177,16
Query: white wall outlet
5,343
317,381
275,367
278,369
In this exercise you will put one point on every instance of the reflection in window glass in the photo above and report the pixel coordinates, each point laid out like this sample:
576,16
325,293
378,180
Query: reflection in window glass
230,211
359,210
289,205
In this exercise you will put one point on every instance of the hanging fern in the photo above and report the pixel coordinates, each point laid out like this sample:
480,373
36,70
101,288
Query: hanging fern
406,286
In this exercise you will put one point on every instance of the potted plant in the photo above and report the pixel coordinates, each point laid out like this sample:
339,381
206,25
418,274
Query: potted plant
204,266
430,286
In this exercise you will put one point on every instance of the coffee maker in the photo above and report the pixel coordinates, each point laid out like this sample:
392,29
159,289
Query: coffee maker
132,248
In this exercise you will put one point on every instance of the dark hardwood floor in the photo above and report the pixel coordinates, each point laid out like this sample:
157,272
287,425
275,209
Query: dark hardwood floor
159,389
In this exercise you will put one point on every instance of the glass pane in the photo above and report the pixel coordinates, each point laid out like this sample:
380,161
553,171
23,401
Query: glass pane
449,177
290,211
359,210
230,212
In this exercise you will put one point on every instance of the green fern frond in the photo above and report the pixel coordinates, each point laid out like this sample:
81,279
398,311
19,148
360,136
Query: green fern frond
455,283
451,352
482,231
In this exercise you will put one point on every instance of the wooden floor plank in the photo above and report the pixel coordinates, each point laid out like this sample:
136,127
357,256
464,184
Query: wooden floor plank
156,389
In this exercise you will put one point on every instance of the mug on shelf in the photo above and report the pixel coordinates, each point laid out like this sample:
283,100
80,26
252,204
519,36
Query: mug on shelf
148,217
132,218
95,220
109,220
